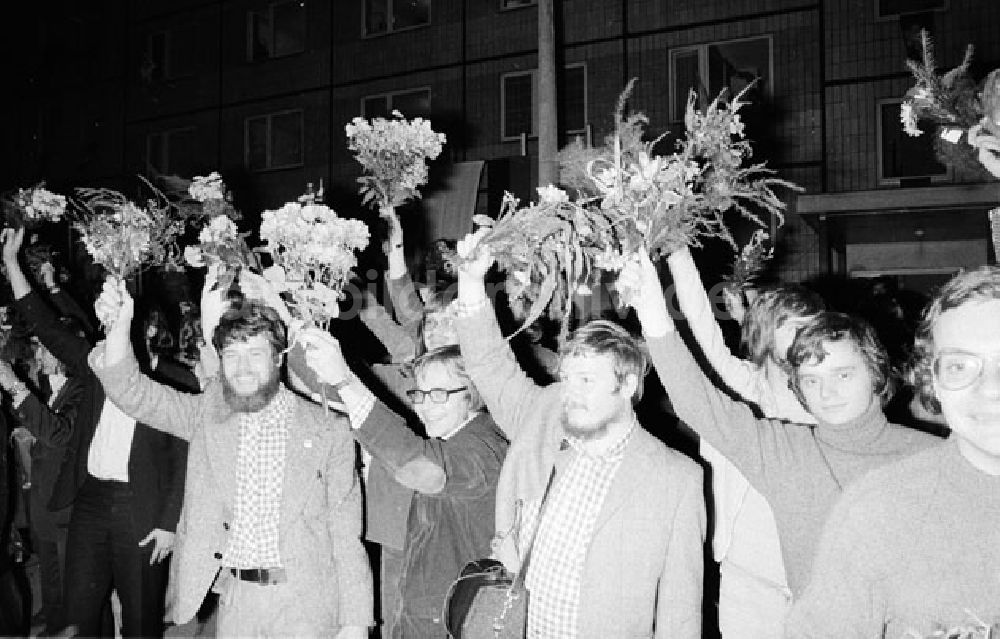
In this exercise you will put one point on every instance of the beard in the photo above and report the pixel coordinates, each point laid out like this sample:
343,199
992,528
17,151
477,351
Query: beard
592,430
255,401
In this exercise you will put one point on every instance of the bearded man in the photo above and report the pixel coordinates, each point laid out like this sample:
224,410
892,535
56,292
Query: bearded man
616,541
272,507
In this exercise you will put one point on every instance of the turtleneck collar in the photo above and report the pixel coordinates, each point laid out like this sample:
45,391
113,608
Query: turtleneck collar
857,435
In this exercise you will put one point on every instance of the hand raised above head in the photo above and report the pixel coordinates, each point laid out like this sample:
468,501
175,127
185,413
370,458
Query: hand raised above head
476,258
12,241
324,356
639,285
114,306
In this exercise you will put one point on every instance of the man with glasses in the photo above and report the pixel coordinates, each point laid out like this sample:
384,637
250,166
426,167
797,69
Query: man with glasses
913,549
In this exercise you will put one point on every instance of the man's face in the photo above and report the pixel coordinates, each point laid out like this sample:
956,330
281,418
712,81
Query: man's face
592,398
48,364
838,389
250,373
442,419
439,329
967,339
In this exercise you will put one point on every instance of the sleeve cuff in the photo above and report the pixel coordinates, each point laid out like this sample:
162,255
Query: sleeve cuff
359,402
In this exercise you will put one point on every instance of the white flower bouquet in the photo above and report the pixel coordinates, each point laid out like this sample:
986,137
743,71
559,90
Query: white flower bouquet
394,154
32,206
220,243
313,254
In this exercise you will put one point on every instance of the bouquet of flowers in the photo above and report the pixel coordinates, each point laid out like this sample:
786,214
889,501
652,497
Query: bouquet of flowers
953,104
394,155
312,250
220,244
629,199
32,206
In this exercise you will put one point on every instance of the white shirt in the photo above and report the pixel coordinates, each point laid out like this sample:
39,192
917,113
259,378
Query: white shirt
112,443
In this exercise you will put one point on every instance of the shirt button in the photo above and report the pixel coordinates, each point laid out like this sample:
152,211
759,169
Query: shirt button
218,555
225,525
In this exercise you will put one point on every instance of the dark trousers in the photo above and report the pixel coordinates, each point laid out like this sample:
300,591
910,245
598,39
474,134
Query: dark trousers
51,564
102,551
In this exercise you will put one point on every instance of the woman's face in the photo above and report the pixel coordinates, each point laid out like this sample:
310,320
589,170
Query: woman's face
445,418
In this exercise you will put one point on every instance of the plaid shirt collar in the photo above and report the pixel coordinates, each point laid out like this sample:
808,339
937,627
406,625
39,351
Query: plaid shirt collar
611,454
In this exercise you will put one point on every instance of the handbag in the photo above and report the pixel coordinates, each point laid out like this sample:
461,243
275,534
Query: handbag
487,601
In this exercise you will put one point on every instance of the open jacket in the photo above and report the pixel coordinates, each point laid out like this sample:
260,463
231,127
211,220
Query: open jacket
320,525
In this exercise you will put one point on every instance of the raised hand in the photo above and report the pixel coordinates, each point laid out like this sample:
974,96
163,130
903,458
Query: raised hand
323,356
114,306
475,257
640,287
12,241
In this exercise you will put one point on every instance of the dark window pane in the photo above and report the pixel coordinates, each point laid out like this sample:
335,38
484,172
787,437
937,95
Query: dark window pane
286,139
154,153
410,13
734,65
509,4
376,16
182,152
574,99
158,55
256,151
184,52
904,156
517,105
685,78
376,107
259,36
413,104
289,28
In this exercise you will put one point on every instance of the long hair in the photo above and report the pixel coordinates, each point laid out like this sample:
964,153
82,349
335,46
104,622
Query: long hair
978,285
768,311
839,327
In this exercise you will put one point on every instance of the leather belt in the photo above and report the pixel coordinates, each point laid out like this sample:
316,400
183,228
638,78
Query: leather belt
262,576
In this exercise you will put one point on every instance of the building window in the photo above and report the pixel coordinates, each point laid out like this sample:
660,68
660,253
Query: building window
516,4
163,61
412,103
519,102
894,8
709,68
276,32
902,159
274,141
172,152
385,16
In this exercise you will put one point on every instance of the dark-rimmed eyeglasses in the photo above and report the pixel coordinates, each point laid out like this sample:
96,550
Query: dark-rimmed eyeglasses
955,370
437,395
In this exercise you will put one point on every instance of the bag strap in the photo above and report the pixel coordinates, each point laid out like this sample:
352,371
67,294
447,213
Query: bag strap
523,572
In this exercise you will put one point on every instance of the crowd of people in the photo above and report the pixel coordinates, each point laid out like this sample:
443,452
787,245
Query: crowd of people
312,488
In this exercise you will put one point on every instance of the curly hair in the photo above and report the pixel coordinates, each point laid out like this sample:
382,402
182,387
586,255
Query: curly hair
768,311
978,285
839,327
451,358
602,337
242,321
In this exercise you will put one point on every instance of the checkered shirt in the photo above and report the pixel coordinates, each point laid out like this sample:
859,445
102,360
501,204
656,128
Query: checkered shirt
260,470
564,534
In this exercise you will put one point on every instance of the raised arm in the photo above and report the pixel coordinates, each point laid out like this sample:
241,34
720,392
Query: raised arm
510,395
146,401
725,424
741,376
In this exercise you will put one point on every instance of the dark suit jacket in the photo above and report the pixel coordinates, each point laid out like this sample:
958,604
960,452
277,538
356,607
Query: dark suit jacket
157,461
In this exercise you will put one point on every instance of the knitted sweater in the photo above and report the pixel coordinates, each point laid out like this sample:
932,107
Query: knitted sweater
800,469
911,548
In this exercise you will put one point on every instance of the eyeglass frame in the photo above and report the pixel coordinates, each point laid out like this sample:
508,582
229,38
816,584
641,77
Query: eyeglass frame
414,393
976,357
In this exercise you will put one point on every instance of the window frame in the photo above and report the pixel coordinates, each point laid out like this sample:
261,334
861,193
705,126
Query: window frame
534,102
164,136
880,17
522,4
389,28
702,49
270,116
270,15
390,94
166,54
947,176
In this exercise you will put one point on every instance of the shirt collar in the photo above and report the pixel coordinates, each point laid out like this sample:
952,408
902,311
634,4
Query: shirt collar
610,454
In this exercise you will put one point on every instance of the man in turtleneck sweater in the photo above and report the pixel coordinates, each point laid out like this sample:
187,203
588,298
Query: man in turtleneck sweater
840,374
914,547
